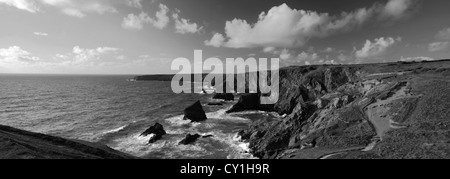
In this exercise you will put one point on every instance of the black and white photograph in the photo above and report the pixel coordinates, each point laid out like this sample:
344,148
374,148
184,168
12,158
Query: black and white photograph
238,81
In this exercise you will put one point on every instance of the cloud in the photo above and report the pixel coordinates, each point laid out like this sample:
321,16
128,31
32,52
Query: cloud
285,54
416,59
162,19
443,34
74,8
184,26
438,46
305,56
376,48
294,28
73,12
137,22
40,33
84,55
216,41
135,3
397,9
26,5
15,54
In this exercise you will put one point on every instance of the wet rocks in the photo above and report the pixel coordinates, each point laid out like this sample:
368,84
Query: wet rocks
157,130
224,96
246,102
189,139
195,113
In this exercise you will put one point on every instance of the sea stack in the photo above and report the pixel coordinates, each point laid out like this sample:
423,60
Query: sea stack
157,130
195,113
189,139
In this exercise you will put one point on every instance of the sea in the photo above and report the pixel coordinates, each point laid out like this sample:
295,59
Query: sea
114,111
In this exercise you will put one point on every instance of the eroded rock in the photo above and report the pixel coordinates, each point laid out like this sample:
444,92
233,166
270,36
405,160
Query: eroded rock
195,113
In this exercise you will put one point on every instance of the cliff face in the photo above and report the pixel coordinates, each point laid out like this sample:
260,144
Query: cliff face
19,144
355,111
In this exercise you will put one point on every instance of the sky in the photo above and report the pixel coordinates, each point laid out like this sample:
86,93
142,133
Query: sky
145,36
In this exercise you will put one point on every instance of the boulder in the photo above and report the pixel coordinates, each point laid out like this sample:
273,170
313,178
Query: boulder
154,139
157,130
189,139
224,96
195,113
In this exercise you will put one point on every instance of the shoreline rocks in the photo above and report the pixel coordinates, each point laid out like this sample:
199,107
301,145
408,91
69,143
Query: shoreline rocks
195,113
189,139
157,130
224,96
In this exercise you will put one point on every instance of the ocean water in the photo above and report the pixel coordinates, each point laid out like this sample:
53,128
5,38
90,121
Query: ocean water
113,111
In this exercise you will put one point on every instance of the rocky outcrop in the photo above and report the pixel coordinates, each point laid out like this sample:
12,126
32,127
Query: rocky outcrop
325,110
195,113
157,130
20,144
249,102
224,96
189,139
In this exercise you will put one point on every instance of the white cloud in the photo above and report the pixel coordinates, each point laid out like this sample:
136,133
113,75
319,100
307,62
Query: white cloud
162,19
137,22
40,33
444,34
184,26
305,56
438,46
74,8
73,12
343,58
135,3
83,56
416,59
376,48
284,27
26,5
216,41
15,54
397,9
285,54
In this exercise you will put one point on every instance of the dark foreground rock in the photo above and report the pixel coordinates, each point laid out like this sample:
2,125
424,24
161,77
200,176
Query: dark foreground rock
195,113
157,130
189,139
224,96
20,144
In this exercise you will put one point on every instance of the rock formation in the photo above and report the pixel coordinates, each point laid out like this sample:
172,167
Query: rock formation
157,130
195,113
224,96
189,139
353,111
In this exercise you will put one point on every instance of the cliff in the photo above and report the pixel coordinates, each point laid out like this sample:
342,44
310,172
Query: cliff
396,110
20,144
